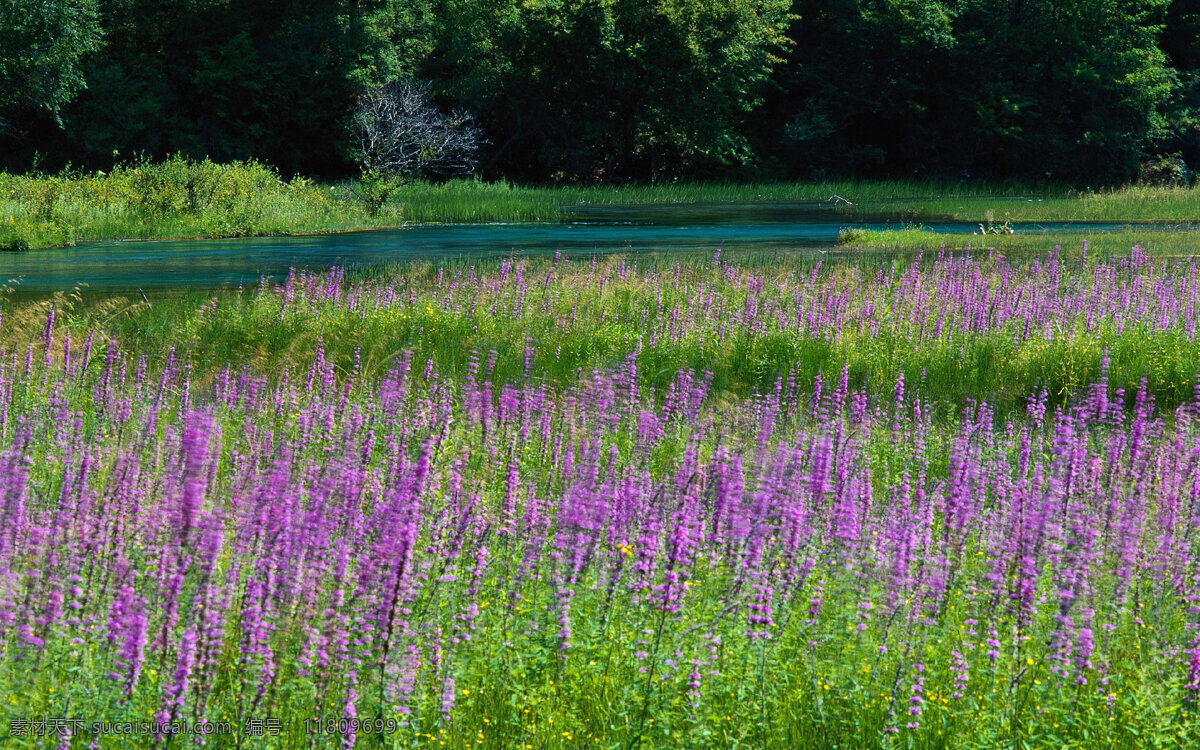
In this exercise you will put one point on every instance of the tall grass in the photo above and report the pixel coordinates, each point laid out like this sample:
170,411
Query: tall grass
175,198
900,200
976,327
473,200
1183,241
1134,203
182,198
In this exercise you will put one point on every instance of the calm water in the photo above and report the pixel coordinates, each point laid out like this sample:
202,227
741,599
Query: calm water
209,264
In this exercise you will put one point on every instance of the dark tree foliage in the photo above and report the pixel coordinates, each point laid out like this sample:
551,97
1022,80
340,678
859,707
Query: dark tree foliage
608,89
1032,88
598,90
229,80
42,43
1181,43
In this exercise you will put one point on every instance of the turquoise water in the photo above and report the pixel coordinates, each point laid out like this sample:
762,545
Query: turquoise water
210,264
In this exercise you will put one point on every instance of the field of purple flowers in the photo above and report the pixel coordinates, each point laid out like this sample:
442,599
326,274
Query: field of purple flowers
449,523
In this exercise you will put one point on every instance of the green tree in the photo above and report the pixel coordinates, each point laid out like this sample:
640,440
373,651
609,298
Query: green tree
862,85
1045,88
1077,87
42,44
593,90
599,89
1181,44
229,80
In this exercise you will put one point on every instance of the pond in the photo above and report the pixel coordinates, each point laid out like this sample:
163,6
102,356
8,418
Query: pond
591,230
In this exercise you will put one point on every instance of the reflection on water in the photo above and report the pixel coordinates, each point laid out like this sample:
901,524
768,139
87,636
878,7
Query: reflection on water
208,264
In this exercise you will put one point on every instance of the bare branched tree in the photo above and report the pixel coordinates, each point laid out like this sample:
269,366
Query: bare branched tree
401,132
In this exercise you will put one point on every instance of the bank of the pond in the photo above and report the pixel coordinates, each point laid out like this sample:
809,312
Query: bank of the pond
1181,241
988,203
180,198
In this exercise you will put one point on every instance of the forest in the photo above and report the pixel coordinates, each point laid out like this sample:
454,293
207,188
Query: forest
1083,92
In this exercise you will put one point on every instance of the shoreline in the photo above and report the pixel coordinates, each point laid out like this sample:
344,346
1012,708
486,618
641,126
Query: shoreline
38,213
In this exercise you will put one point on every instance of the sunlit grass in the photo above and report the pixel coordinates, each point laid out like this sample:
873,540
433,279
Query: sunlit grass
171,200
854,200
1183,241
178,198
583,315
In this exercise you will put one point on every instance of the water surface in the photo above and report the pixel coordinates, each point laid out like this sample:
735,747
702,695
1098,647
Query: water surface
800,227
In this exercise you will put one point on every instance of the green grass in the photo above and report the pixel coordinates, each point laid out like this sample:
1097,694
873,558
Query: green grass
473,200
180,198
584,317
820,681
1181,242
1130,204
177,198
915,201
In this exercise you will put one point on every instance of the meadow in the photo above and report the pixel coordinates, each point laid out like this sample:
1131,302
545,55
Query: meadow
981,326
945,502
184,198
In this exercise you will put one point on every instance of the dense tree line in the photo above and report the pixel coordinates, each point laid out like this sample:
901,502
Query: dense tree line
588,90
